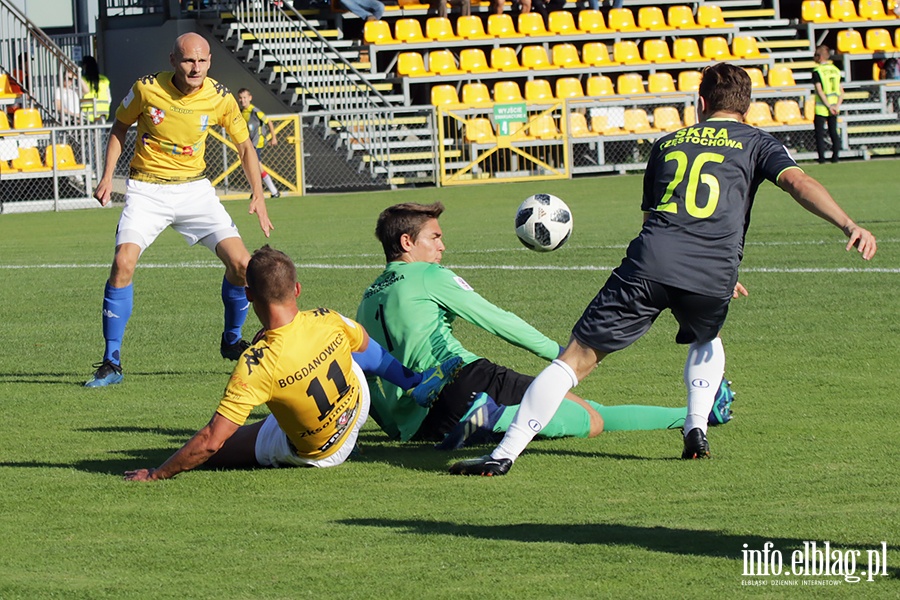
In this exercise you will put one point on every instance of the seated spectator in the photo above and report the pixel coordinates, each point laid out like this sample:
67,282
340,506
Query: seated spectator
439,7
68,97
367,10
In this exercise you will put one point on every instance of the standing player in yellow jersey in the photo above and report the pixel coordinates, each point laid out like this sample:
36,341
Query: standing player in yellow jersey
166,187
301,368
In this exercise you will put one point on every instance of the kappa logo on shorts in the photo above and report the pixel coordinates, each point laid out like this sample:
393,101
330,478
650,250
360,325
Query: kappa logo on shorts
157,115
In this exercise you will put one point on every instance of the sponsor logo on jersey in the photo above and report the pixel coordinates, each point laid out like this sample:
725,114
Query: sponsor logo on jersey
127,99
157,115
463,284
204,122
168,147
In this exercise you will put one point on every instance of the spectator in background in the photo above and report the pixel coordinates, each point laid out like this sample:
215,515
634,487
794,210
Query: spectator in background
18,82
256,120
68,97
439,7
96,98
367,10
829,95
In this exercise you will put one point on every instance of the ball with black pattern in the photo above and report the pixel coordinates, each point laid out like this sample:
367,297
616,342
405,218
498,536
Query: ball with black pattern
543,222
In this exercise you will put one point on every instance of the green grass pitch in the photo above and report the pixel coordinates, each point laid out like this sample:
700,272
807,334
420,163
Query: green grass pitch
812,454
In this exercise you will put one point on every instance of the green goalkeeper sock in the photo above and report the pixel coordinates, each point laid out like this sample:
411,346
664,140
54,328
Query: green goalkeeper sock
634,417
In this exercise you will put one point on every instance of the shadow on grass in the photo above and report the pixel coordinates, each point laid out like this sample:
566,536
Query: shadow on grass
78,378
126,460
694,542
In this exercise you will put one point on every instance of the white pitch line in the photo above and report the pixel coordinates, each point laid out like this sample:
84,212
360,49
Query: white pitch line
215,265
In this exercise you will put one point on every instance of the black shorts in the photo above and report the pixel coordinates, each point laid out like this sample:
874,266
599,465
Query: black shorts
504,385
627,306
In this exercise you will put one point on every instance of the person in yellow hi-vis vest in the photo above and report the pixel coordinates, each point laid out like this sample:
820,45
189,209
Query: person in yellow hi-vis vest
97,98
829,95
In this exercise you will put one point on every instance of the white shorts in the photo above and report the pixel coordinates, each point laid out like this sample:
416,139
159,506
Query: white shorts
274,450
192,209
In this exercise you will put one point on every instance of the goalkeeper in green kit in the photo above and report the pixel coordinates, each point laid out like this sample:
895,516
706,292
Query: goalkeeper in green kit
410,310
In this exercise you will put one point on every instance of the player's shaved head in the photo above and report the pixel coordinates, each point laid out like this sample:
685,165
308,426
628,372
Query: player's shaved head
271,276
725,88
407,218
188,43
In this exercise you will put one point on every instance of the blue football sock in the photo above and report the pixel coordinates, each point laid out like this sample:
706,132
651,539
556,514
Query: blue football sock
117,305
236,306
375,360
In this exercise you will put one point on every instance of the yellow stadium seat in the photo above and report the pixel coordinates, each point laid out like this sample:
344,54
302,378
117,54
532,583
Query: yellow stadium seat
65,157
569,87
535,57
746,46
566,56
814,11
629,83
27,118
710,15
636,121
543,127
657,51
507,91
809,108
680,16
501,26
660,83
505,59
600,125
781,76
897,37
687,50
480,131
760,115
591,21
651,18
531,23
689,81
625,52
561,21
715,47
410,64
844,10
5,89
442,62
5,169
872,10
595,54
439,29
444,95
476,94
622,19
666,118
29,160
578,126
788,112
879,40
408,30
600,85
849,41
4,122
473,60
470,27
378,32
690,116
756,77
538,90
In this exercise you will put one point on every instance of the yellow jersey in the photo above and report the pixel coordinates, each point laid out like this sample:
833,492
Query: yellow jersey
302,372
172,127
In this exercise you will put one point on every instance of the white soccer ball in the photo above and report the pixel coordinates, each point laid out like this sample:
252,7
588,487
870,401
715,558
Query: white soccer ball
543,222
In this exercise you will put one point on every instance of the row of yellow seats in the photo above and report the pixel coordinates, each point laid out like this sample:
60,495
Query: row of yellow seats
23,118
593,54
787,112
650,18
850,41
29,160
477,93
814,11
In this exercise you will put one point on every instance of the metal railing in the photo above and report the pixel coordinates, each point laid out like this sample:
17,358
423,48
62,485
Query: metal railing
44,76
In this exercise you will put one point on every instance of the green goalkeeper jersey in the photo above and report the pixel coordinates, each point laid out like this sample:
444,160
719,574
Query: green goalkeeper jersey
410,310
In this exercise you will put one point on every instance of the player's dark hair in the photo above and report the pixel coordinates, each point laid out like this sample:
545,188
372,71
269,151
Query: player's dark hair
271,275
242,90
408,218
725,88
822,53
